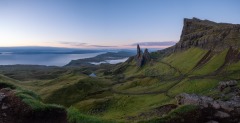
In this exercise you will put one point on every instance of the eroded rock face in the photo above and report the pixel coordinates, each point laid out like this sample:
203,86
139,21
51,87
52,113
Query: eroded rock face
216,110
224,84
207,102
146,55
193,99
142,58
220,110
208,35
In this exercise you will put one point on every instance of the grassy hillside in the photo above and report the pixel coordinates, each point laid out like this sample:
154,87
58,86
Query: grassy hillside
135,94
185,61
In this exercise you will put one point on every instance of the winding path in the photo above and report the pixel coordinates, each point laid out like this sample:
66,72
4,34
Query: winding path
166,92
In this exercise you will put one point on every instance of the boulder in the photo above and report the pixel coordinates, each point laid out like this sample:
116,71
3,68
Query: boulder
2,96
220,114
224,84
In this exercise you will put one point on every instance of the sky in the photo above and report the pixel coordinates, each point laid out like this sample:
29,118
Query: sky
105,23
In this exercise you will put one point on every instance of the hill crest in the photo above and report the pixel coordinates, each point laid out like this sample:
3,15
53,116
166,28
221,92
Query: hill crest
208,35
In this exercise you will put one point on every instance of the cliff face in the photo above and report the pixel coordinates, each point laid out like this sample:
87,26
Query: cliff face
208,35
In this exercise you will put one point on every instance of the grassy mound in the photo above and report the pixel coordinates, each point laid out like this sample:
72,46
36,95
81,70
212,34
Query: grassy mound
74,93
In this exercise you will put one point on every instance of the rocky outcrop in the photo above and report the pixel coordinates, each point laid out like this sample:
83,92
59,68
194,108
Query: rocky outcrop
146,55
220,111
142,58
217,110
208,102
224,84
208,35
14,110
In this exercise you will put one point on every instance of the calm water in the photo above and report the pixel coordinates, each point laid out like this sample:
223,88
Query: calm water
42,59
110,61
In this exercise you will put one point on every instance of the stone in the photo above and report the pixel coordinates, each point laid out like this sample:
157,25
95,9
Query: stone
215,105
206,102
193,99
212,121
2,96
220,114
4,106
6,89
224,84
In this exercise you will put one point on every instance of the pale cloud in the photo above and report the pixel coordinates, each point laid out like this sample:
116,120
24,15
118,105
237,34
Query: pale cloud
85,45
163,43
72,43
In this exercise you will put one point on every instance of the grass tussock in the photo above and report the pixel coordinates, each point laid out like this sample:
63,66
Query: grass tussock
30,98
74,116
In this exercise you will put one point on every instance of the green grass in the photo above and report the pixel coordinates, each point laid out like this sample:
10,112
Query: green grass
45,88
37,105
118,107
93,105
234,66
70,94
74,116
232,71
30,98
144,85
185,60
212,65
161,70
121,106
197,86
132,69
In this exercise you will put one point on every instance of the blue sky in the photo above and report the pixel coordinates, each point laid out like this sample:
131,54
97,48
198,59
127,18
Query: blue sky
104,23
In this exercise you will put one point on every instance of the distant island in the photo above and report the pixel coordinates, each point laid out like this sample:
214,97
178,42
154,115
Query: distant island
101,58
